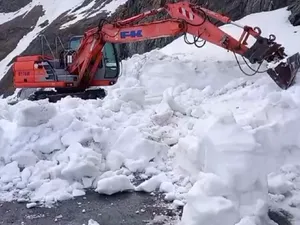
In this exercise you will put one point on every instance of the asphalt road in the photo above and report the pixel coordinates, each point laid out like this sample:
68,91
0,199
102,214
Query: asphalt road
119,209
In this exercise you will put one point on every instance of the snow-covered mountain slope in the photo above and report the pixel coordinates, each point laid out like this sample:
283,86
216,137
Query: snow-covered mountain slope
52,9
88,12
184,119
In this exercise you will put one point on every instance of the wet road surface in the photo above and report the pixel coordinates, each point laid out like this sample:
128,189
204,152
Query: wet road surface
120,209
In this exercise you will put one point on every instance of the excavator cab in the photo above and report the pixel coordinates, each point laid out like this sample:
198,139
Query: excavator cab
109,68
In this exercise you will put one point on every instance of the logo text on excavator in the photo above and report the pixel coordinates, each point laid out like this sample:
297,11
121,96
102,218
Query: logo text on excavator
131,33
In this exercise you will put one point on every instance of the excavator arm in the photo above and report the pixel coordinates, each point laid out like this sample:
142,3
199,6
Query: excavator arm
184,18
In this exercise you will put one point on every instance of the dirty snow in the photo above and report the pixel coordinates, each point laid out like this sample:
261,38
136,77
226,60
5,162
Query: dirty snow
194,128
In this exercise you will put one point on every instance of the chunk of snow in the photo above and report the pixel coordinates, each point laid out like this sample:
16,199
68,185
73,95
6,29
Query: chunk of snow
114,160
152,184
9,172
35,115
189,155
92,222
112,185
77,193
178,203
209,211
80,162
136,165
135,94
167,187
231,153
279,184
139,147
247,221
80,136
49,143
51,191
25,158
31,205
209,202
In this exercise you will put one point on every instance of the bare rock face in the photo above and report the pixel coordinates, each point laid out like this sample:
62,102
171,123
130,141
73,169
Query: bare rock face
237,9
11,33
295,9
12,5
14,30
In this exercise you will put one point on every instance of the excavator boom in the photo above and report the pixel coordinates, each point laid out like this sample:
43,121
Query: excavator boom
95,61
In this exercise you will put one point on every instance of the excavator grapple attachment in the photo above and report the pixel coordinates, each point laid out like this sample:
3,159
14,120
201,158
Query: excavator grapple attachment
284,73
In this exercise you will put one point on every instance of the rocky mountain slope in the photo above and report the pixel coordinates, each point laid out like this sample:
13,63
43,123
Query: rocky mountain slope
89,12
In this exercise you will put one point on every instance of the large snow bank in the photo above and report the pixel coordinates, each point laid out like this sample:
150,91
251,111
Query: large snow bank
247,130
222,144
53,151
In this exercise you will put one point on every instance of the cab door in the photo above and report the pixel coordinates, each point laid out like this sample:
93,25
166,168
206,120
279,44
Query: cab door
110,61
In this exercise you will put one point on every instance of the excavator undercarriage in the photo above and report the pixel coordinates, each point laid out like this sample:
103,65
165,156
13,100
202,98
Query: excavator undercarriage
92,60
56,95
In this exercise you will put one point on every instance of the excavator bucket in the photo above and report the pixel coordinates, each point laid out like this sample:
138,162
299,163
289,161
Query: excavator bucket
284,73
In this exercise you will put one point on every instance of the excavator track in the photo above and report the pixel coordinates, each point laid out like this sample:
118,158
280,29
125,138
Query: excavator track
54,96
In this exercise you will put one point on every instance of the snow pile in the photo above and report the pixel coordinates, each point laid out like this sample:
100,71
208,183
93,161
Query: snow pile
247,129
196,129
53,151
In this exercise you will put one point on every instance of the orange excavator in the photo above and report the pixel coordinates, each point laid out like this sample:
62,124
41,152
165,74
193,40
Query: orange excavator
92,60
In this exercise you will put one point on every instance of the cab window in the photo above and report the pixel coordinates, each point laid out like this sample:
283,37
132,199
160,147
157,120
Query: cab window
110,61
75,42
